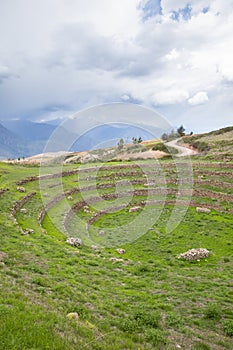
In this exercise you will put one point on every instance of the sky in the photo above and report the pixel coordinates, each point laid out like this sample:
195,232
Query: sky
60,56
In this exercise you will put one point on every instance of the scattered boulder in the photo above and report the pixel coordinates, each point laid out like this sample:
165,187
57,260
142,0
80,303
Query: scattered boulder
115,259
120,251
149,184
23,211
28,231
75,242
21,189
101,232
195,254
94,247
46,195
86,209
70,198
72,316
133,209
203,210
89,306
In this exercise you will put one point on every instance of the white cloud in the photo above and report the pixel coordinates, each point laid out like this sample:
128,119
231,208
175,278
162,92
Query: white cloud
172,55
199,98
170,97
4,73
71,54
125,97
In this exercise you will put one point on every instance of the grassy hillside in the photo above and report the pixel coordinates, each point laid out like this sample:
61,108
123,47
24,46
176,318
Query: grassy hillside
146,298
218,143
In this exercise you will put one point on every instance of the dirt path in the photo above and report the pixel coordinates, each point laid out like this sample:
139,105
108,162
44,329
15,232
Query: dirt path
183,151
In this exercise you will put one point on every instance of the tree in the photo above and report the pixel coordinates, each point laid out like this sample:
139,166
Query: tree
181,130
134,140
165,137
120,144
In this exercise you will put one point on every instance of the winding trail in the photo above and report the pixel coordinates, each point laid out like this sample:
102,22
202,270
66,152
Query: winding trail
183,151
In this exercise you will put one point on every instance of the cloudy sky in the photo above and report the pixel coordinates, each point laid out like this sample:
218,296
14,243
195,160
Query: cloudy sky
174,56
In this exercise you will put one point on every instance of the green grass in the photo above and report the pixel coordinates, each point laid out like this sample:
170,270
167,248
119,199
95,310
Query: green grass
148,300
219,142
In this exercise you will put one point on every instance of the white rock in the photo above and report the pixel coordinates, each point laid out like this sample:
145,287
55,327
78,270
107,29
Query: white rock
120,251
75,242
133,209
203,210
21,189
195,254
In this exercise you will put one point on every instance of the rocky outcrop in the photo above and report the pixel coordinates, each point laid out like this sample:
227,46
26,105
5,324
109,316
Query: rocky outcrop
195,254
21,189
203,210
74,242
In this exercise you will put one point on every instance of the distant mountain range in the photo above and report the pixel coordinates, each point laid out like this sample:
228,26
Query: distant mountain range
23,138
11,145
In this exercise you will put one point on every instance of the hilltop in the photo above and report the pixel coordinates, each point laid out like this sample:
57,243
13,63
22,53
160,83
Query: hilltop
218,143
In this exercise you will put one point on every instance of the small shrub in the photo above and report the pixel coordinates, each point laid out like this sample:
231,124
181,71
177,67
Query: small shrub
201,346
160,146
174,320
147,318
141,270
228,328
201,146
213,312
155,336
129,325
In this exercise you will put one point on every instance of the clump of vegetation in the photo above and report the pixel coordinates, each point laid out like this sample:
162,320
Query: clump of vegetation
201,346
174,320
120,145
160,146
228,327
135,148
200,145
156,337
212,312
147,317
174,134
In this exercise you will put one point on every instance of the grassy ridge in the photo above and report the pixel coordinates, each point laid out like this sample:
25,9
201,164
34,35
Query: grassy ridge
217,143
148,300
